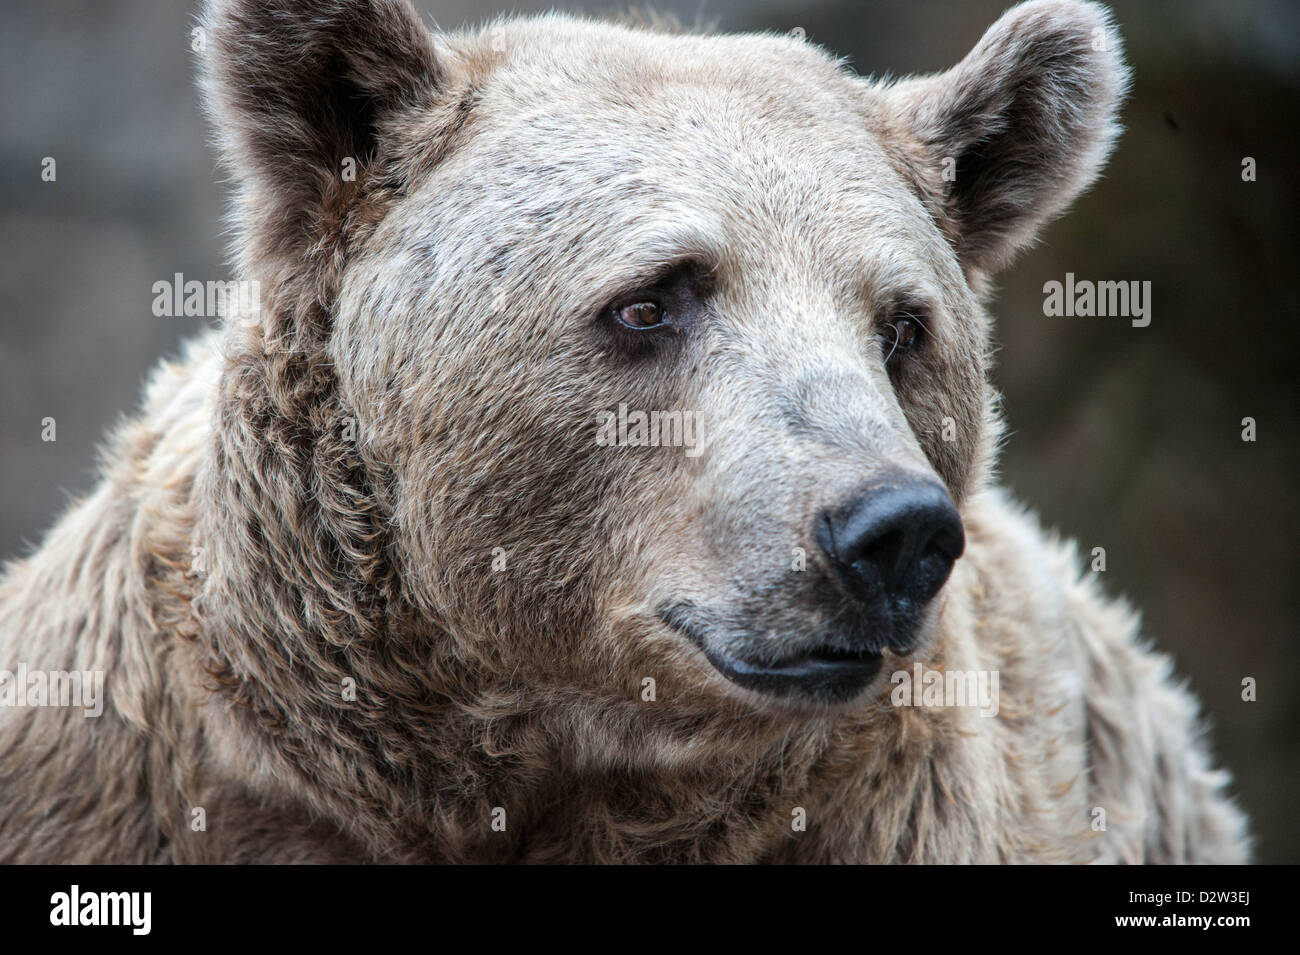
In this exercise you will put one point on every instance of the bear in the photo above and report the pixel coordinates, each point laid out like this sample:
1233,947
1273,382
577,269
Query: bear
610,446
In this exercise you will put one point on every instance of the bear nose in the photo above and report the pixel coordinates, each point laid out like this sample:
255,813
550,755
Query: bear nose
894,547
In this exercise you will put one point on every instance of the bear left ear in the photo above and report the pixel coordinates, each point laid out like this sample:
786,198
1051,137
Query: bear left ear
303,96
1005,140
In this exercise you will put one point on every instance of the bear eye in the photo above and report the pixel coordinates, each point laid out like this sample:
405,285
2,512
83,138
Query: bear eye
901,335
905,333
659,310
639,316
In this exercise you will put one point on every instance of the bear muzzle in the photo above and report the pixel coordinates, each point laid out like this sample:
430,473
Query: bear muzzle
887,552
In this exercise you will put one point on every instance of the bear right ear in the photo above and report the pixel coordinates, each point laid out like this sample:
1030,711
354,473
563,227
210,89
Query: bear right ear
1005,140
298,92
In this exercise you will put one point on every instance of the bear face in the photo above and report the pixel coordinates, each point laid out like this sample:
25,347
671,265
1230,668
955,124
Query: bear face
557,224
744,214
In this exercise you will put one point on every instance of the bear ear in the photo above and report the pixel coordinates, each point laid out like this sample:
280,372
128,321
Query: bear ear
1005,140
298,92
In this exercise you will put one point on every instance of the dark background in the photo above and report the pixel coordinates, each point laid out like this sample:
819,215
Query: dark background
1125,438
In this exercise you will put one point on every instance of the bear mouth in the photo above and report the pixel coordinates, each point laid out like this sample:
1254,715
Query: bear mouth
825,672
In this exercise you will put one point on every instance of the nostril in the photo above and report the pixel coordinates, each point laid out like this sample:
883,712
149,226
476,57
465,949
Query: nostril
933,567
884,555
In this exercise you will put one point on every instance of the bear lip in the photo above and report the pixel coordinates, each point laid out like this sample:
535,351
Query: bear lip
826,673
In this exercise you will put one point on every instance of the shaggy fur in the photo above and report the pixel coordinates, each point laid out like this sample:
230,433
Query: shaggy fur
315,498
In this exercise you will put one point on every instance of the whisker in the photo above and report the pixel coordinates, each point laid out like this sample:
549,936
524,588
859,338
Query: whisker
894,347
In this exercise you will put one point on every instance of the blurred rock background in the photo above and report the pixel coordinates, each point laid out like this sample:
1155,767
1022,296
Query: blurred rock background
1125,438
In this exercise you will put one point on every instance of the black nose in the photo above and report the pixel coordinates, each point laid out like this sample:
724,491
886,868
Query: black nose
893,548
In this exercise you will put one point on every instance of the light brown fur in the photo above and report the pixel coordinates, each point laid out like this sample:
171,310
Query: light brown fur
420,389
